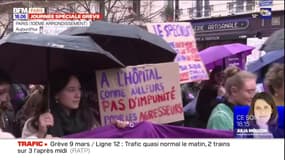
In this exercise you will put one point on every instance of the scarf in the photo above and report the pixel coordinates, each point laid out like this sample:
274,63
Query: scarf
65,124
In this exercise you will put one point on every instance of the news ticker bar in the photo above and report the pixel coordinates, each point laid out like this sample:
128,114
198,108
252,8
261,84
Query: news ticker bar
141,148
55,16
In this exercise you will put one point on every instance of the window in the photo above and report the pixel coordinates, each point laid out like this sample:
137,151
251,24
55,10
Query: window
239,6
230,6
199,7
208,10
275,21
262,22
250,5
190,11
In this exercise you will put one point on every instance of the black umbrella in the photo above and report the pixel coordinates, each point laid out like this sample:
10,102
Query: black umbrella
29,57
274,42
130,44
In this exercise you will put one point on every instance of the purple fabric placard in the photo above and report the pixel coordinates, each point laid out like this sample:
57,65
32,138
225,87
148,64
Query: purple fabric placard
151,130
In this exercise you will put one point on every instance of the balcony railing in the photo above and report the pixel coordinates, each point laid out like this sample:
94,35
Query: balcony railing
240,8
193,12
223,9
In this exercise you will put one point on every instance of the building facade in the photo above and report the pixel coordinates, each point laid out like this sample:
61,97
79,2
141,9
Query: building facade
222,22
235,29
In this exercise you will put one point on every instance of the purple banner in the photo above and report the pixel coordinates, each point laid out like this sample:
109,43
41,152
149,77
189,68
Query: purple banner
151,130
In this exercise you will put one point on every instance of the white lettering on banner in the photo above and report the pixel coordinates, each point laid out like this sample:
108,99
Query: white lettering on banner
198,28
221,25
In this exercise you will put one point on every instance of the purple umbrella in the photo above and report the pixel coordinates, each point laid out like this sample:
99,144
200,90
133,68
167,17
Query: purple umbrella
217,53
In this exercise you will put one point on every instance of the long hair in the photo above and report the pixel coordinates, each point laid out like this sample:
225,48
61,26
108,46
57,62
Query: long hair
4,77
213,74
274,78
57,82
268,99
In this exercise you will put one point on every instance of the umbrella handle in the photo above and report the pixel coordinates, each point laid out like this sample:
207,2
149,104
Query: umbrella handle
48,131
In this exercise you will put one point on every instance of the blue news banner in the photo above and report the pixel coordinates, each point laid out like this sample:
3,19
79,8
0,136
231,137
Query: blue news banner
245,125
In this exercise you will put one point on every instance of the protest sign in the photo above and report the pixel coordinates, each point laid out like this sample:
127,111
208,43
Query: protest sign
140,93
180,37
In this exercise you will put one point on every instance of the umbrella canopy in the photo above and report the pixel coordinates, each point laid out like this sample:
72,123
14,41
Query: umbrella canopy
274,42
219,52
265,60
130,44
29,57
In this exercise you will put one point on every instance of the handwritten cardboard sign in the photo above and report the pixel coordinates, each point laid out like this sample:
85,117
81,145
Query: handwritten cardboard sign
140,93
181,38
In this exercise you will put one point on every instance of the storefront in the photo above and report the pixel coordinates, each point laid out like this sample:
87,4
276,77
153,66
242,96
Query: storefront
235,29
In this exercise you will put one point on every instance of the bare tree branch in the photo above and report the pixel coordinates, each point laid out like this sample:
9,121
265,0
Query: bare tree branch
5,30
110,7
86,5
6,26
113,17
122,17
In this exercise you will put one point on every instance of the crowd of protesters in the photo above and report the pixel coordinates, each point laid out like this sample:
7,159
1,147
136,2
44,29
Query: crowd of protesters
67,106
230,87
60,109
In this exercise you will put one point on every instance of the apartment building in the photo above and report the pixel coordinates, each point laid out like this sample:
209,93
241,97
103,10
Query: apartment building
220,22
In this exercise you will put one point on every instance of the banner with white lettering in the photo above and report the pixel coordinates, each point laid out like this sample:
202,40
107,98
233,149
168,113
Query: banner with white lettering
138,93
236,60
180,36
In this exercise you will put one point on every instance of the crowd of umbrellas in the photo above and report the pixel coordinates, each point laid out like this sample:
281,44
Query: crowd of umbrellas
30,57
